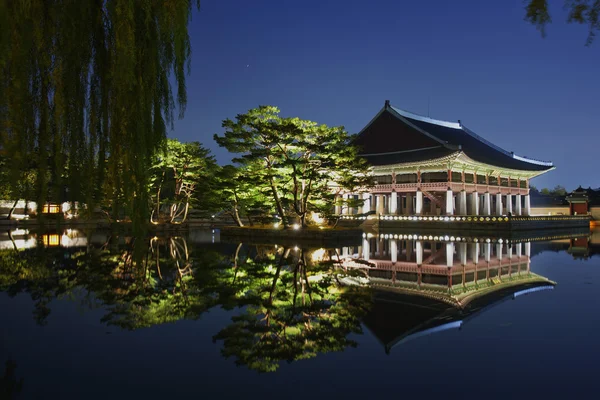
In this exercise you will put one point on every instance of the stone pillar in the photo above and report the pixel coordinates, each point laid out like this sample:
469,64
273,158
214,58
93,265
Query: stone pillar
380,209
528,249
499,251
518,250
449,254
366,203
518,205
474,203
463,203
394,250
419,250
394,203
338,206
462,253
449,202
487,207
344,251
498,204
419,208
366,247
527,210
509,204
488,252
475,253
409,204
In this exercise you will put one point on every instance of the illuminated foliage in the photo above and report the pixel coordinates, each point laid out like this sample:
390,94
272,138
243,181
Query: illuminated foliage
286,307
297,161
181,172
292,311
85,88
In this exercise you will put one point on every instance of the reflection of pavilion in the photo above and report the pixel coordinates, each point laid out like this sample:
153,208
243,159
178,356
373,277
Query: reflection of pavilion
425,284
397,318
441,267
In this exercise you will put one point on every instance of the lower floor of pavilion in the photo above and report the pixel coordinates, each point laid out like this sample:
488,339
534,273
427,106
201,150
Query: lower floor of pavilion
438,263
439,203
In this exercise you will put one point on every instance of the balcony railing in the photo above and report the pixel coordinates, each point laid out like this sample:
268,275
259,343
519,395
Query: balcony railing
443,186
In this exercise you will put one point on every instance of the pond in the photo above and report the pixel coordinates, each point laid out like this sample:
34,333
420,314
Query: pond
96,315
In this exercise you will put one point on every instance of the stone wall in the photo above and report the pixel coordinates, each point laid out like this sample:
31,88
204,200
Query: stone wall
552,210
563,210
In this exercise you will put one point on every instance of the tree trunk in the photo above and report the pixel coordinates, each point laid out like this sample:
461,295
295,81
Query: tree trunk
162,179
236,217
12,210
10,236
276,277
237,253
284,220
185,214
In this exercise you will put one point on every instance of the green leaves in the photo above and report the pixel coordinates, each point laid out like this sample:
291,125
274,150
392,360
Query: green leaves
85,88
180,176
586,12
301,163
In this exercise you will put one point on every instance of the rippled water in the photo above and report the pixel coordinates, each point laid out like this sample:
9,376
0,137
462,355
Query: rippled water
89,315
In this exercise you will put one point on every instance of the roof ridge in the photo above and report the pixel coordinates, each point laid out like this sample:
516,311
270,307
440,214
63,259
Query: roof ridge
408,114
403,151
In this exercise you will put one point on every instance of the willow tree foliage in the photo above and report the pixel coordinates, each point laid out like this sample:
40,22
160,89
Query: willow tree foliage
585,12
178,174
300,162
85,87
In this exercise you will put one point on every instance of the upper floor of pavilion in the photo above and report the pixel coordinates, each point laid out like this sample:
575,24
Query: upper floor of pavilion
397,141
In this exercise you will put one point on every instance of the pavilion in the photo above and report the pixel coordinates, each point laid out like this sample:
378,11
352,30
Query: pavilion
424,166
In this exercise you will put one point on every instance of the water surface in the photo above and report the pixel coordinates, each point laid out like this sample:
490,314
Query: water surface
95,316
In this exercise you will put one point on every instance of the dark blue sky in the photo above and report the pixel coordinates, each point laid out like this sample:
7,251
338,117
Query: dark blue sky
336,62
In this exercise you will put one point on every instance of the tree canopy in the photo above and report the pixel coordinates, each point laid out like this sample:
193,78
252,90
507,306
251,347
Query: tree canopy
85,87
177,174
585,12
298,161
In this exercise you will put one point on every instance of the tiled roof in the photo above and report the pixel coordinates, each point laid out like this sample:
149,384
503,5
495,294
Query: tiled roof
452,135
409,156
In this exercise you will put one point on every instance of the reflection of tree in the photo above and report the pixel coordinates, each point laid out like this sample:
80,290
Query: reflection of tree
292,312
10,385
288,308
161,287
139,282
32,271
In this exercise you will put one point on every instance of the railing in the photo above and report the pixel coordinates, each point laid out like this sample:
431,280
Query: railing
438,269
469,218
481,218
443,186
